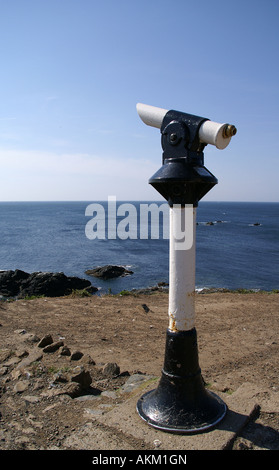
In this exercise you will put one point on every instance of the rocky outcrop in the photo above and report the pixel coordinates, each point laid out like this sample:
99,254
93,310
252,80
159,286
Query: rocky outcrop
51,284
108,271
10,282
21,284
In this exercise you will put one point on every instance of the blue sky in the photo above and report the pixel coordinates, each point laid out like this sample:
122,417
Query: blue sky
72,72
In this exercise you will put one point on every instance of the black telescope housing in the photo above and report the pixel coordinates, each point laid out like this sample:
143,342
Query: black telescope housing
183,178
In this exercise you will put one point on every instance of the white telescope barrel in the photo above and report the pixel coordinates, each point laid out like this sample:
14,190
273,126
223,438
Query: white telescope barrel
151,115
210,132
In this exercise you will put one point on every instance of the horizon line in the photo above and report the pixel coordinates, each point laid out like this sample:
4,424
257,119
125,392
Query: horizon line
131,200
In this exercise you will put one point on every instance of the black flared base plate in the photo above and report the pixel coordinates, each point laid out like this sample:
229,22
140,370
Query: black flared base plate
177,418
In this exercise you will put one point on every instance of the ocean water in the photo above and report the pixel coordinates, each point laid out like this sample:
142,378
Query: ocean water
231,253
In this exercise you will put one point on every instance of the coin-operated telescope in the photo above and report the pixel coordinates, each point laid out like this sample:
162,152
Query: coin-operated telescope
181,403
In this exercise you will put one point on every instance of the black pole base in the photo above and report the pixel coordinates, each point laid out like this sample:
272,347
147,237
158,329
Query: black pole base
181,404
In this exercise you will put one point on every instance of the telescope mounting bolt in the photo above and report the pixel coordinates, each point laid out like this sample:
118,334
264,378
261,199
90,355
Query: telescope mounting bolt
182,131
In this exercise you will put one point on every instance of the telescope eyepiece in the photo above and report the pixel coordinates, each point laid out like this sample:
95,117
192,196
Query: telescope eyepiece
229,130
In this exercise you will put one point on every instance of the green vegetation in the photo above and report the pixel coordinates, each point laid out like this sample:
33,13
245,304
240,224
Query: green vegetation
56,370
80,293
125,292
32,297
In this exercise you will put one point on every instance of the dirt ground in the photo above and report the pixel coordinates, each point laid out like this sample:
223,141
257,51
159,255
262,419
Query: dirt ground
238,341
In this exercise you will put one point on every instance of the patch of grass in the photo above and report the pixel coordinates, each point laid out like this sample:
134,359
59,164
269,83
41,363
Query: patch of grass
125,292
33,297
55,370
244,291
255,291
80,293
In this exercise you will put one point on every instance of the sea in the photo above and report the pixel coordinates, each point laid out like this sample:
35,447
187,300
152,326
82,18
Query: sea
237,243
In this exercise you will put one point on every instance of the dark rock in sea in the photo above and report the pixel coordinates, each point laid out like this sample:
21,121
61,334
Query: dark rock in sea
150,290
91,289
108,272
163,284
21,284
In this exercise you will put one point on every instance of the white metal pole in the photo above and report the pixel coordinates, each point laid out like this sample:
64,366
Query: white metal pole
182,260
